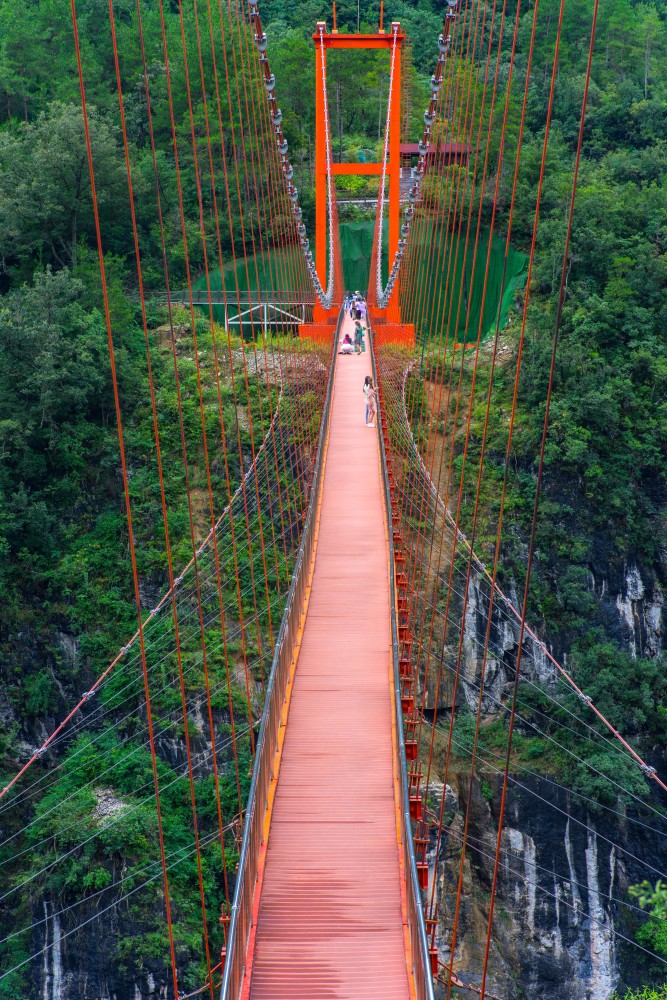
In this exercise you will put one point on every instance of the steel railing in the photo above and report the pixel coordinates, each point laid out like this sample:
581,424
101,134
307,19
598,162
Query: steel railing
421,961
267,742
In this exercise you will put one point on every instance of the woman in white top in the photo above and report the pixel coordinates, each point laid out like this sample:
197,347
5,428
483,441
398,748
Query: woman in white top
371,405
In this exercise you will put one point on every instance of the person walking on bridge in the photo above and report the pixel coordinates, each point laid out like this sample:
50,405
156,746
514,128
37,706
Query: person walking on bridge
358,336
358,304
371,404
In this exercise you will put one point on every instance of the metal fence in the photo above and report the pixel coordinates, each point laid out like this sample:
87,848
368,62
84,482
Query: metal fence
280,309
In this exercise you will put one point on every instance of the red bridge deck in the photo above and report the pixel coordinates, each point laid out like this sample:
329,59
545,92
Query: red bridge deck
330,922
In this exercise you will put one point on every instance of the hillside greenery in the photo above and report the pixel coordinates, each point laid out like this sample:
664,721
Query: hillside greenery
646,994
604,492
65,573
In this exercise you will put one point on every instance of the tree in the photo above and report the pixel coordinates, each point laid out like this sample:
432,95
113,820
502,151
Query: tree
650,29
45,200
52,383
647,993
653,899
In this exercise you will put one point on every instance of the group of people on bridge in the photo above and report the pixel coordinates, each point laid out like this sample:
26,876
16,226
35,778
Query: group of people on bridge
356,307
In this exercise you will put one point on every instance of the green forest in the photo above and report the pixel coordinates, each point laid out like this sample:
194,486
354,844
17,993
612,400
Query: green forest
66,595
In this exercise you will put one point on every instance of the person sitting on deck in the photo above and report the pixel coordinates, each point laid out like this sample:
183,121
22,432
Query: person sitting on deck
346,346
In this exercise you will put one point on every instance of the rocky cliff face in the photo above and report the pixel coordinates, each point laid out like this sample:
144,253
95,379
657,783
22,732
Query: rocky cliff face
632,605
78,967
562,882
502,649
560,920
630,609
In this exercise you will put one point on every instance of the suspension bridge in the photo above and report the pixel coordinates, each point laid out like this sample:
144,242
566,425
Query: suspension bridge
295,671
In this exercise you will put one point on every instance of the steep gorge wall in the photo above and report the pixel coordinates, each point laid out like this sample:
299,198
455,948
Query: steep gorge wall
559,919
558,916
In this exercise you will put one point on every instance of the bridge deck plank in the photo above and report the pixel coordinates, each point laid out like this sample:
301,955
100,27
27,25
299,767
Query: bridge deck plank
330,922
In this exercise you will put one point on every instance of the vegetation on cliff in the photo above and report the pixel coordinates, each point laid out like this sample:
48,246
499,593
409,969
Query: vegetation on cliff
65,579
601,515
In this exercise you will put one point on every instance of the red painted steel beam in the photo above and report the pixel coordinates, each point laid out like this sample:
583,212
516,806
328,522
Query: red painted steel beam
329,40
350,41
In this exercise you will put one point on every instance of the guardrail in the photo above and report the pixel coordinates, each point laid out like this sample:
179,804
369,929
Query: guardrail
421,961
242,906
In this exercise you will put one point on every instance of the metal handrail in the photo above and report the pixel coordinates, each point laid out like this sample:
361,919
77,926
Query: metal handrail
421,961
242,906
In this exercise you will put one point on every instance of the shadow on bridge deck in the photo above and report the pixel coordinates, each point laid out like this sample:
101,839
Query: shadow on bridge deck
330,912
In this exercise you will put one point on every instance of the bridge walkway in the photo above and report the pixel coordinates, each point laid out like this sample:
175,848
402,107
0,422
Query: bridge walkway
330,919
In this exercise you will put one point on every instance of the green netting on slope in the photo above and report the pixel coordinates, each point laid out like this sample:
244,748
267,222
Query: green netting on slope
442,270
453,283
270,270
356,244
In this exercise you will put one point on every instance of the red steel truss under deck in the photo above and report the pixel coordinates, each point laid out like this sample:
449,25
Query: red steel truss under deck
331,919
